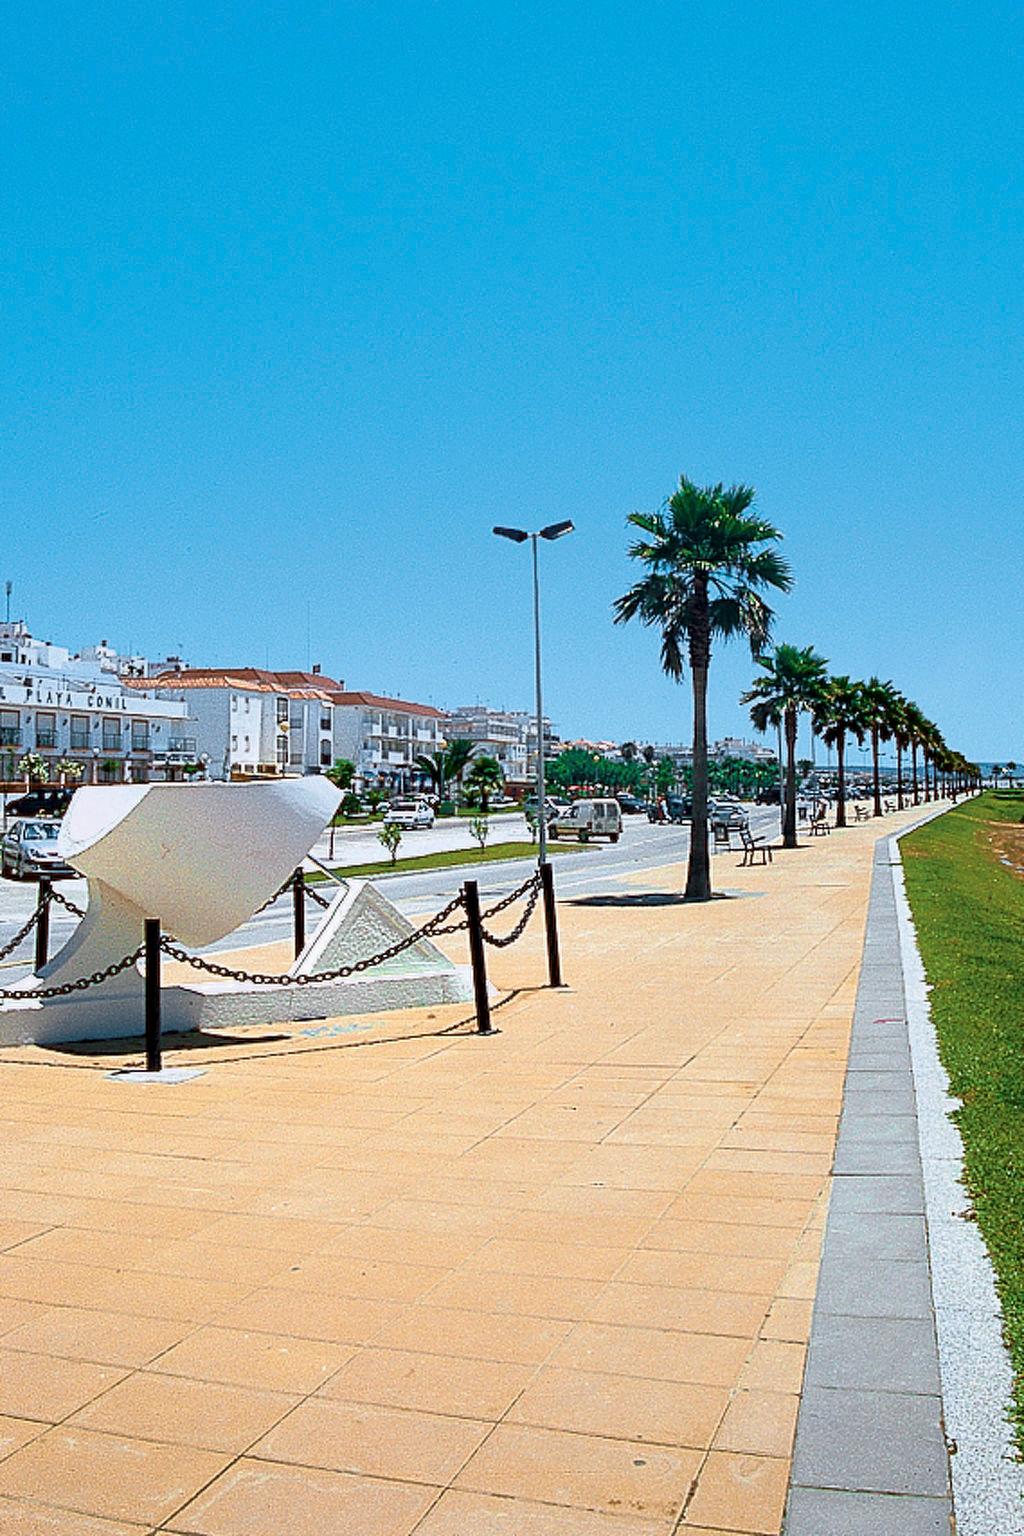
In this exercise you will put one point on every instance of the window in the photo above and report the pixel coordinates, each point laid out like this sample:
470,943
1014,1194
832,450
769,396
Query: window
46,730
79,732
234,743
10,734
111,735
282,710
325,720
325,754
140,735
282,749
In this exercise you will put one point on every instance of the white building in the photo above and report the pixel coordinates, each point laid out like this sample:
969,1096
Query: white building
249,720
508,735
63,706
384,737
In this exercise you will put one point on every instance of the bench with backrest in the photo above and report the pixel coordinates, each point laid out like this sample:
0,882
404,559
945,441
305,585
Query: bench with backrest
753,848
861,813
819,821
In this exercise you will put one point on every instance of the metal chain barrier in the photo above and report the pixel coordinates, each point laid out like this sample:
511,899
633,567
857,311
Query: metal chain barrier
21,934
39,994
339,973
66,902
314,895
510,938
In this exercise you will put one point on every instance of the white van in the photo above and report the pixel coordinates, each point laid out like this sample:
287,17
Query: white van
588,818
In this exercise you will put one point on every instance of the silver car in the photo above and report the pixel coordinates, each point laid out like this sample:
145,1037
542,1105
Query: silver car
29,849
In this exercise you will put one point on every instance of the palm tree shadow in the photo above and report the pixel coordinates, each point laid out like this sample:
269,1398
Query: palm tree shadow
651,899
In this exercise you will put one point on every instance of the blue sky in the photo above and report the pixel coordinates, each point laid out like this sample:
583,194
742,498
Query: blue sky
299,300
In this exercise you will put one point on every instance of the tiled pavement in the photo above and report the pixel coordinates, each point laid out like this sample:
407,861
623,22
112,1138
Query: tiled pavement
381,1280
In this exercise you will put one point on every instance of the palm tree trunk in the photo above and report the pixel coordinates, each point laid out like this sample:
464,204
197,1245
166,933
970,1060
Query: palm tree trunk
913,748
874,770
899,774
698,872
789,817
841,760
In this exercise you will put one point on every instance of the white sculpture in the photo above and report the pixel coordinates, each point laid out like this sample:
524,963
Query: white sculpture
203,858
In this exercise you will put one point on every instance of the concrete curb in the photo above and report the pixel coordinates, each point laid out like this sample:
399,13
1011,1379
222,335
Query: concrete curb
974,1367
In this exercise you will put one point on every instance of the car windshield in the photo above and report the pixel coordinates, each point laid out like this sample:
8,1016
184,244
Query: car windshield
40,834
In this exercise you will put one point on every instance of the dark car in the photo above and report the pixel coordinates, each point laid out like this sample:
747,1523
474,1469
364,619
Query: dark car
769,796
631,806
50,800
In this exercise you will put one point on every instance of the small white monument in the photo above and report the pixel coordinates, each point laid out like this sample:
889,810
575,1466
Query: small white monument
203,858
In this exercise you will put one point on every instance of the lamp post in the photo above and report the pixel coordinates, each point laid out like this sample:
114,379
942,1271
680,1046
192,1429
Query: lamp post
520,536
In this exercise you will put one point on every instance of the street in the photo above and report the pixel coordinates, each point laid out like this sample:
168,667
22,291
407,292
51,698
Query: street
643,846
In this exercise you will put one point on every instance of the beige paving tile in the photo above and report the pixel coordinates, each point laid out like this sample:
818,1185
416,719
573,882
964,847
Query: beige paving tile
659,1354
739,1493
476,1389
312,1315
689,1311
775,1365
49,1387
177,1409
105,1475
761,1423
789,1320
473,1335
16,1432
521,1295
106,1338
622,1407
553,1467
271,1362
259,1498
459,1514
20,1517
374,1441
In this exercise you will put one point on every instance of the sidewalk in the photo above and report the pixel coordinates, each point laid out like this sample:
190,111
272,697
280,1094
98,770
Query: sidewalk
368,1277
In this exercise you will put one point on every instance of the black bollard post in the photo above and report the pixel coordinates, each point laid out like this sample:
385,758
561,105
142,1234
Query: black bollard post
154,1060
471,898
43,924
547,881
299,910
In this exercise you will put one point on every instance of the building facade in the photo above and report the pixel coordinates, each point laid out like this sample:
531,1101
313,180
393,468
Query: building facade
508,735
384,737
250,721
64,708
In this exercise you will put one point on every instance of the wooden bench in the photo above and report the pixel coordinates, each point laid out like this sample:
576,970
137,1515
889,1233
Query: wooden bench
861,813
753,847
819,823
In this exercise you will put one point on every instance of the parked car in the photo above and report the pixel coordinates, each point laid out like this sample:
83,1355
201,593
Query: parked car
769,796
410,813
630,805
724,811
48,800
588,818
28,849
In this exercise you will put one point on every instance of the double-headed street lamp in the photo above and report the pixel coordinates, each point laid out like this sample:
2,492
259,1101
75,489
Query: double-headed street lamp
520,536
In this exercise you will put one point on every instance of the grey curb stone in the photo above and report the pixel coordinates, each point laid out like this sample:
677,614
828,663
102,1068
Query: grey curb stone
870,1457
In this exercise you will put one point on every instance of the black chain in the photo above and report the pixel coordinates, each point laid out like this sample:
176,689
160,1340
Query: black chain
517,931
65,902
269,979
22,933
321,901
83,982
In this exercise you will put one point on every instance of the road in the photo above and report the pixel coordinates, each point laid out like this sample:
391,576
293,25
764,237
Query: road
597,866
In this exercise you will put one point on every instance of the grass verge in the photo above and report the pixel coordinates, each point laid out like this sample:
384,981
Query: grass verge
492,855
968,908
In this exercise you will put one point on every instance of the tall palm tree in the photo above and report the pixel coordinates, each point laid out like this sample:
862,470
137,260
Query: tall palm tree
932,746
898,725
916,726
436,770
484,778
708,559
841,714
878,697
628,751
794,679
458,755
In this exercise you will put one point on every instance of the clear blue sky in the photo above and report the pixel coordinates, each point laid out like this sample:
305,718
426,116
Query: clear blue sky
298,300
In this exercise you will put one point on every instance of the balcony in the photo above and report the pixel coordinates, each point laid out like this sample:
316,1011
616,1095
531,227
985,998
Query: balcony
112,743
10,737
79,742
46,739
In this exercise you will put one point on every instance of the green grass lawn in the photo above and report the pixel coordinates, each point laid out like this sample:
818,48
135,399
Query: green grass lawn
490,855
969,912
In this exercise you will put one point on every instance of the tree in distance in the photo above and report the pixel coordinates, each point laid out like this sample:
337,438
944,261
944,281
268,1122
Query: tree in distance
708,560
483,778
839,715
794,680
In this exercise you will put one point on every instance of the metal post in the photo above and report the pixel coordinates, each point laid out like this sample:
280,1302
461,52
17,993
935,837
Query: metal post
542,823
471,899
43,924
547,880
299,910
152,937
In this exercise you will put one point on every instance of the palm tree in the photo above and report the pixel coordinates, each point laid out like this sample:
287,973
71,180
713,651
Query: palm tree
708,560
795,679
841,714
436,770
898,726
341,773
916,726
483,778
457,758
932,746
628,752
878,697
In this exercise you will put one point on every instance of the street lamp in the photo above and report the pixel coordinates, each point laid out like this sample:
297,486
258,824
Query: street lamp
520,536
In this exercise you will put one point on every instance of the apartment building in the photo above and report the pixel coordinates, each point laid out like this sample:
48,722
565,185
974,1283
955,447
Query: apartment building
384,737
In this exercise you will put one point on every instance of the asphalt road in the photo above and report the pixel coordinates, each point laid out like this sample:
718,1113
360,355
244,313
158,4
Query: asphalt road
598,866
